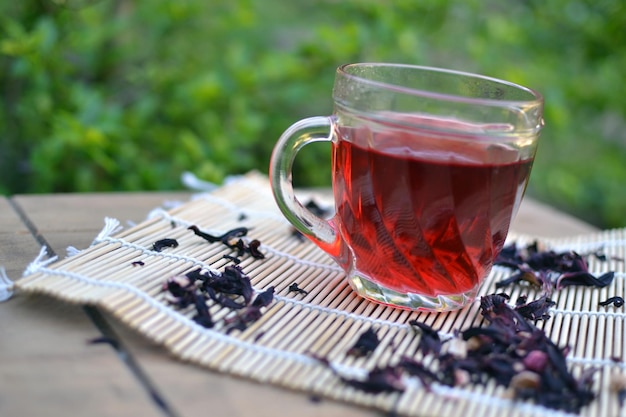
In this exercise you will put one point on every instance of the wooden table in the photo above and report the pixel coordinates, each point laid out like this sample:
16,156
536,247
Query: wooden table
49,368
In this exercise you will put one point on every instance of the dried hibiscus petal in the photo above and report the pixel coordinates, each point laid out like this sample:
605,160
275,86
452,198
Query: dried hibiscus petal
549,269
430,342
380,380
585,279
231,281
253,249
506,348
203,316
232,239
616,301
524,274
251,313
238,232
536,361
223,299
537,309
419,370
365,344
295,288
241,321
264,298
159,245
180,290
233,259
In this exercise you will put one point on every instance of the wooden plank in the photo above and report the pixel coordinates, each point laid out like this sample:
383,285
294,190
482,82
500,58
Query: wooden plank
197,392
16,243
535,218
46,366
81,216
189,390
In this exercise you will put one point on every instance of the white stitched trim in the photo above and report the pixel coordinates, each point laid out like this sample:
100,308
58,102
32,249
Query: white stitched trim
6,285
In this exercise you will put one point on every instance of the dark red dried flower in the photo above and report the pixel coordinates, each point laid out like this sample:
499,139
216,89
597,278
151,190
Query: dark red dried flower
549,268
512,341
419,370
537,309
380,380
295,288
202,316
265,298
232,239
585,279
387,379
159,245
365,344
617,301
430,342
253,249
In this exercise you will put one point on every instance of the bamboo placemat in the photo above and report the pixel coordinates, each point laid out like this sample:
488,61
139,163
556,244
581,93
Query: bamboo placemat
326,321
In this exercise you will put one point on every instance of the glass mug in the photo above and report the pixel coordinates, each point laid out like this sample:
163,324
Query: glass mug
429,166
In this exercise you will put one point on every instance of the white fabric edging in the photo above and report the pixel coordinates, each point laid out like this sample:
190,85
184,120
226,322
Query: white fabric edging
6,285
72,251
111,226
39,262
191,181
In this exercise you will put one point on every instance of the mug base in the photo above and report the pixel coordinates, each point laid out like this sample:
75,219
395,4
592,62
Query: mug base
410,301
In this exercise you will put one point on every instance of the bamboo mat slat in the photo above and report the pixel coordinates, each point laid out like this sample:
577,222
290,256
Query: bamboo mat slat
327,320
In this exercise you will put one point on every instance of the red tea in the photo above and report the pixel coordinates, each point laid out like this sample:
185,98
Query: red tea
428,222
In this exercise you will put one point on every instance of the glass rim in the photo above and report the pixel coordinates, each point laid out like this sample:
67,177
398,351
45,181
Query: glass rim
535,97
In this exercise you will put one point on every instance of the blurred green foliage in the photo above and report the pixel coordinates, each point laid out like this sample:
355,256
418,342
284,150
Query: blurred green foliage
127,94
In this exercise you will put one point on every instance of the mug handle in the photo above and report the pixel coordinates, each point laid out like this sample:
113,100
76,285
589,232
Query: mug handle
313,129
